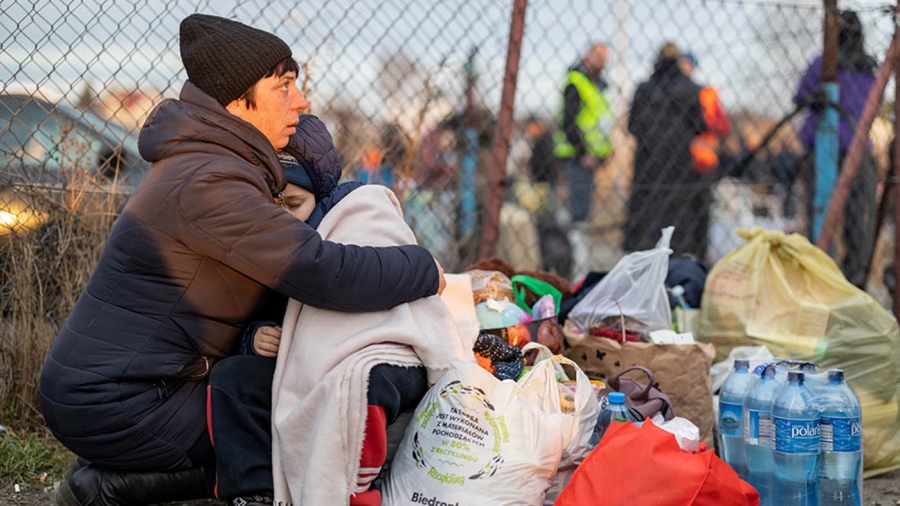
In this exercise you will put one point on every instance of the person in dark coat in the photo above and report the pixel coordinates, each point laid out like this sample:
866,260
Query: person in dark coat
664,119
200,250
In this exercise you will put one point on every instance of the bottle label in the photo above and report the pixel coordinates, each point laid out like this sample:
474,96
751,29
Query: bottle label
841,434
730,415
767,431
759,429
797,437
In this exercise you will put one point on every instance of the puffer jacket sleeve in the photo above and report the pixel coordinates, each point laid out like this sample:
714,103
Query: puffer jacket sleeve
230,220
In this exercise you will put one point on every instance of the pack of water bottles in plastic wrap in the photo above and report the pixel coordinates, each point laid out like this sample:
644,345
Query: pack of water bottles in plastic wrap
782,292
794,432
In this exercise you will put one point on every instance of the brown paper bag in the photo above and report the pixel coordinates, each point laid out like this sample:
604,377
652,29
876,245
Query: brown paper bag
681,371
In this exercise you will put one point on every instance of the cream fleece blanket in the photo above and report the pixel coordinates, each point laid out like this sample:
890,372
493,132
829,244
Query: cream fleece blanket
324,360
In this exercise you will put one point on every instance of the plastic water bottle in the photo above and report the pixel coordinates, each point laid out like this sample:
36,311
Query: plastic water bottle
759,435
731,416
841,462
615,411
796,443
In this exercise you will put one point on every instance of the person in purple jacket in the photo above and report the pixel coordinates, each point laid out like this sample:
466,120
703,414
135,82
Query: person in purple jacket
856,76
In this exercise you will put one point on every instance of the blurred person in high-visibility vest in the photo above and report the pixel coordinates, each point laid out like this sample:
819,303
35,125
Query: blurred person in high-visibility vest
585,124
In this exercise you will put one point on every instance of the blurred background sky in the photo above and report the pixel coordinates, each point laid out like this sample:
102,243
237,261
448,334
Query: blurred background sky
752,50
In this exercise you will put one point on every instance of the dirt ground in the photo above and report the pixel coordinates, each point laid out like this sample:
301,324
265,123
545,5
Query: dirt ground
45,498
882,490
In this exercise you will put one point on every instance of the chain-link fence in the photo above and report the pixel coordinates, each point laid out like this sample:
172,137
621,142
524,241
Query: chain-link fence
410,90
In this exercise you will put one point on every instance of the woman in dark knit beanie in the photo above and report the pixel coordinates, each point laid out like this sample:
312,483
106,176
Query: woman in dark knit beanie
200,250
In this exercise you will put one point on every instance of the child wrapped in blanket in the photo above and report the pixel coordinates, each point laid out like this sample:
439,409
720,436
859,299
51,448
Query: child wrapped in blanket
311,192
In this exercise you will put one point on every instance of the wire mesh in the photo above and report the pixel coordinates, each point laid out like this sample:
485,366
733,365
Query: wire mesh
405,86
410,90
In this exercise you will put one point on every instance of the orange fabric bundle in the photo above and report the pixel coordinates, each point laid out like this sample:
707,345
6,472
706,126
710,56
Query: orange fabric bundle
646,466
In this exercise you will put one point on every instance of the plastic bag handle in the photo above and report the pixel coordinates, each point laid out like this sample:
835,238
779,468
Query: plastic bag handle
563,360
614,383
581,379
531,345
621,315
544,353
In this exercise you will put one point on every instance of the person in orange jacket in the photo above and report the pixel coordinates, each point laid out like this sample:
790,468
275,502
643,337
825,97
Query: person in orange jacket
705,151
705,146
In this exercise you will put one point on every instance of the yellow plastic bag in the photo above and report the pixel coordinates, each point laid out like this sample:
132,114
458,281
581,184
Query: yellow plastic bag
781,291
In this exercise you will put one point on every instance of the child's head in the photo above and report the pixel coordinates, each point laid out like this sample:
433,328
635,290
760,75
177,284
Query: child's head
299,196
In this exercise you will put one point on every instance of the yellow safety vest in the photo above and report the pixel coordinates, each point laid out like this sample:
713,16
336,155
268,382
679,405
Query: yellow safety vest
595,120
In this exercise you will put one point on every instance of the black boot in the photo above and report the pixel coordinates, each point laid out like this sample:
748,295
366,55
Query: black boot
76,464
96,486
64,492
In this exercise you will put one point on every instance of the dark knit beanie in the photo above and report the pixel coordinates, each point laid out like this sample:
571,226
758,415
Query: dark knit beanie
225,58
296,173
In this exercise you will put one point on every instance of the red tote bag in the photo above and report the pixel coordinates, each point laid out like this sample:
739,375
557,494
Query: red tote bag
645,466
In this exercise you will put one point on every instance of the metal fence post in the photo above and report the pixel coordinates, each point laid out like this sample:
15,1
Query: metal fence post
896,157
827,140
500,148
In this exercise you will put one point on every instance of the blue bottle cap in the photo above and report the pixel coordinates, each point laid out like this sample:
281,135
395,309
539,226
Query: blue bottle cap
616,398
768,371
835,375
796,376
741,363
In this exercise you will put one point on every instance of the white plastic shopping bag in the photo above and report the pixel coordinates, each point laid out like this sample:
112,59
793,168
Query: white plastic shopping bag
540,385
475,441
634,288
